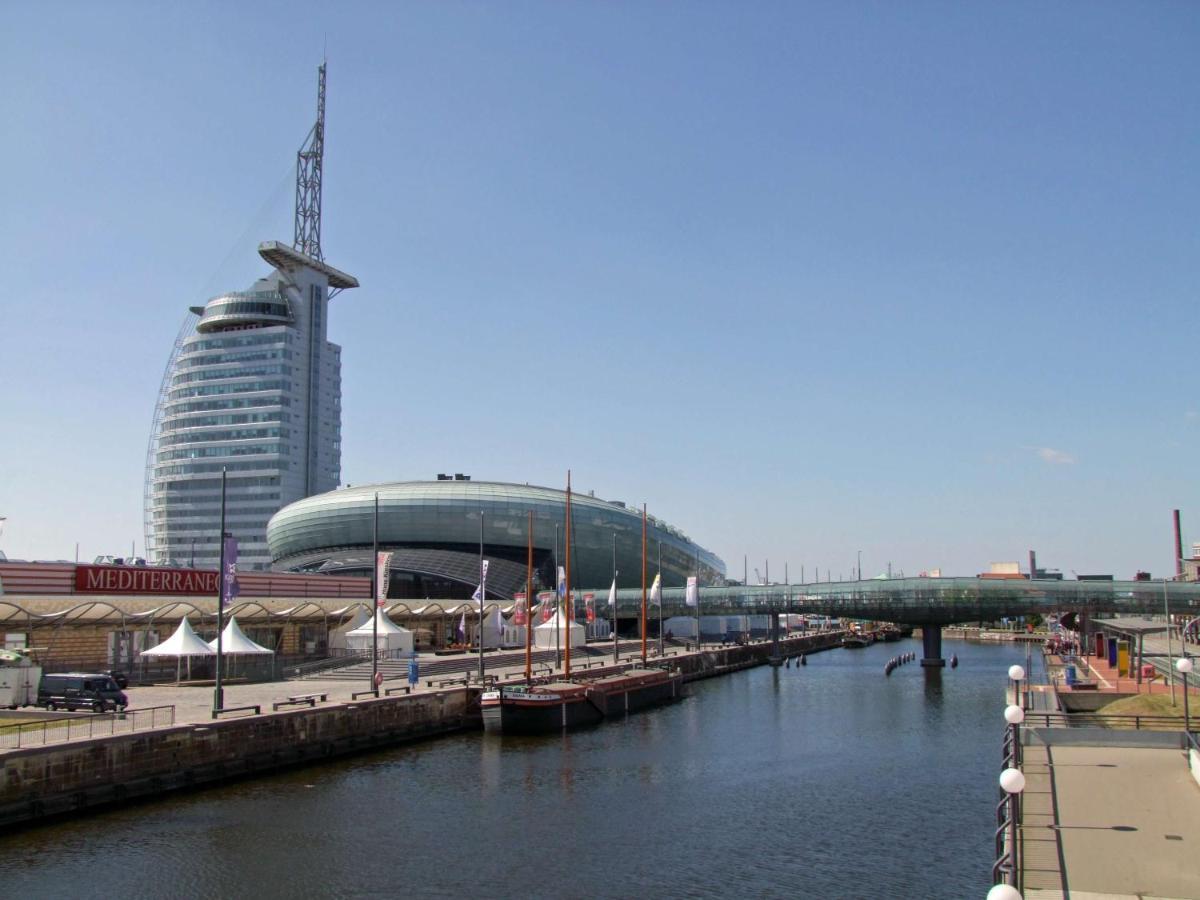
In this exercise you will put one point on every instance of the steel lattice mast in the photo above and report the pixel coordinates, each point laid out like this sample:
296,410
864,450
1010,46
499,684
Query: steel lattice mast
310,161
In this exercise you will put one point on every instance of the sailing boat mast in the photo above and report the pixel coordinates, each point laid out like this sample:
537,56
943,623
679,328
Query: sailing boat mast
529,606
570,608
643,584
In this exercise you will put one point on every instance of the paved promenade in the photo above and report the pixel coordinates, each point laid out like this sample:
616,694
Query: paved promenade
1109,822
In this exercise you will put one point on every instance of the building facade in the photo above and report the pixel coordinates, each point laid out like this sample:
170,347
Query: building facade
434,528
255,392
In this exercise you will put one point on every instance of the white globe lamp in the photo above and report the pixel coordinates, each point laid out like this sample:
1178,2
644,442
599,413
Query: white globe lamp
1014,715
1184,665
1012,780
1016,673
1004,892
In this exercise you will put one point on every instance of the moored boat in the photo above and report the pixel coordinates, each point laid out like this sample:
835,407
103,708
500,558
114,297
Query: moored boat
856,641
541,709
636,689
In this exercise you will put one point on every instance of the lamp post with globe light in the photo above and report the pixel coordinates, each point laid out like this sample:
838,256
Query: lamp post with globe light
1184,667
1017,674
1012,780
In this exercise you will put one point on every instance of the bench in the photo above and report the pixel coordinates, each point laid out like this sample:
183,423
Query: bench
396,690
442,682
217,713
373,692
317,697
294,701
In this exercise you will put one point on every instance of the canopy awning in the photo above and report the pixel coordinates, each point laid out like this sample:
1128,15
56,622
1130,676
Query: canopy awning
184,642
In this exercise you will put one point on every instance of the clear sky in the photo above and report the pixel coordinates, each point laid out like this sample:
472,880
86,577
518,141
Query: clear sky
916,279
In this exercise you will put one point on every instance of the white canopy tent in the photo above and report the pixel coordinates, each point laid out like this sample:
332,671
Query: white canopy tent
235,642
183,643
337,639
392,638
557,632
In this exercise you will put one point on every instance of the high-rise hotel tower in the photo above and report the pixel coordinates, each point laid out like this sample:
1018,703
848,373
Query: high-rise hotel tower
253,388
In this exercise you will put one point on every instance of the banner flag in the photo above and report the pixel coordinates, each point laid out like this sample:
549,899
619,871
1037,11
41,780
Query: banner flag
383,572
462,629
518,617
692,597
612,595
475,596
229,580
562,582
656,589
589,602
546,602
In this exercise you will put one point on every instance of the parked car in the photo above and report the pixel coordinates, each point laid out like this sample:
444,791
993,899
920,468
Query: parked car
80,690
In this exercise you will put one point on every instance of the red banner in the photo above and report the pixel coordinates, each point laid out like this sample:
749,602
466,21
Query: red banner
143,580
518,616
589,602
546,600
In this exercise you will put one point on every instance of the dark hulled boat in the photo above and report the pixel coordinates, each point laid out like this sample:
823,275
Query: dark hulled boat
543,708
562,705
636,689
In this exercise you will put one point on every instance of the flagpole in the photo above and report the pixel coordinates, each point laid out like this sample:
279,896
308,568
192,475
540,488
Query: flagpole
529,606
616,645
557,605
697,601
643,584
218,691
661,645
375,597
480,598
567,547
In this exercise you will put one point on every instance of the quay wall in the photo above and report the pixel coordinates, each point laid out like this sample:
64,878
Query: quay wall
43,782
710,663
40,782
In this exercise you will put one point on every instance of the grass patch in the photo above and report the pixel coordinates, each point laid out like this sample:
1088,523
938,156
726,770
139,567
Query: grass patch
1145,705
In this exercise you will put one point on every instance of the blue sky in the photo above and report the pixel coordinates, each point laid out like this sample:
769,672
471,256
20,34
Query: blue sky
810,278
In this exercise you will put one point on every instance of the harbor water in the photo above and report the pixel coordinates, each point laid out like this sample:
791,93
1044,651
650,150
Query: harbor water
824,780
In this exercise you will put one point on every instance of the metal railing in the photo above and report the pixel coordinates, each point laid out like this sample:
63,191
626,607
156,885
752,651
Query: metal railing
61,729
1101,720
1004,870
321,665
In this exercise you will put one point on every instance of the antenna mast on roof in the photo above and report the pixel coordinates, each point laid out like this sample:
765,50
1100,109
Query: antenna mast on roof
310,159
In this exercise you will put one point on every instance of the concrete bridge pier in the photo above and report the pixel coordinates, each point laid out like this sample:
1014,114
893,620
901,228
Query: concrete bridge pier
931,637
775,659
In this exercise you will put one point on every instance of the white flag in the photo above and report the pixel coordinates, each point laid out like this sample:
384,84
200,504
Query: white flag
475,596
562,582
383,571
692,597
612,595
656,589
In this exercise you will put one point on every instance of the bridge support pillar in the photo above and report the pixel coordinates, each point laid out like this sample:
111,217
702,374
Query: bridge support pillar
931,637
775,659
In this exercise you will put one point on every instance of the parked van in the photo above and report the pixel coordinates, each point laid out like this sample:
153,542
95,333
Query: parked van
79,690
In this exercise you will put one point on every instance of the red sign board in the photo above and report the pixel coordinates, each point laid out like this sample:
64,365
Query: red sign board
143,580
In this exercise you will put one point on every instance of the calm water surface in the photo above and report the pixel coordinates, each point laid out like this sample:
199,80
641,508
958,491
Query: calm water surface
827,780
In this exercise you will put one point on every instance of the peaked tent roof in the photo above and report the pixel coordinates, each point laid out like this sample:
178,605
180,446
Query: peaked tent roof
234,641
184,642
560,618
386,626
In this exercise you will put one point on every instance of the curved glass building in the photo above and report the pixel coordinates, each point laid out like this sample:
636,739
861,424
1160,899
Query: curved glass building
255,390
433,529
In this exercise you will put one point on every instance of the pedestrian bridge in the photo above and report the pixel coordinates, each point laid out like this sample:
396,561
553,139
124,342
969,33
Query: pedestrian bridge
930,602
927,601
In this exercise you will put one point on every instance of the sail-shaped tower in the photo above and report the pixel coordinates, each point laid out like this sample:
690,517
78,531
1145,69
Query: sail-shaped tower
252,389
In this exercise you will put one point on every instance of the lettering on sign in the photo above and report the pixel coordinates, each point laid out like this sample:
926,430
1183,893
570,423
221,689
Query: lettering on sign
138,580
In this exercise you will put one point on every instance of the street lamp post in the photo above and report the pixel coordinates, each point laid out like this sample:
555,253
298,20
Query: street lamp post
860,565
1017,675
1184,667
